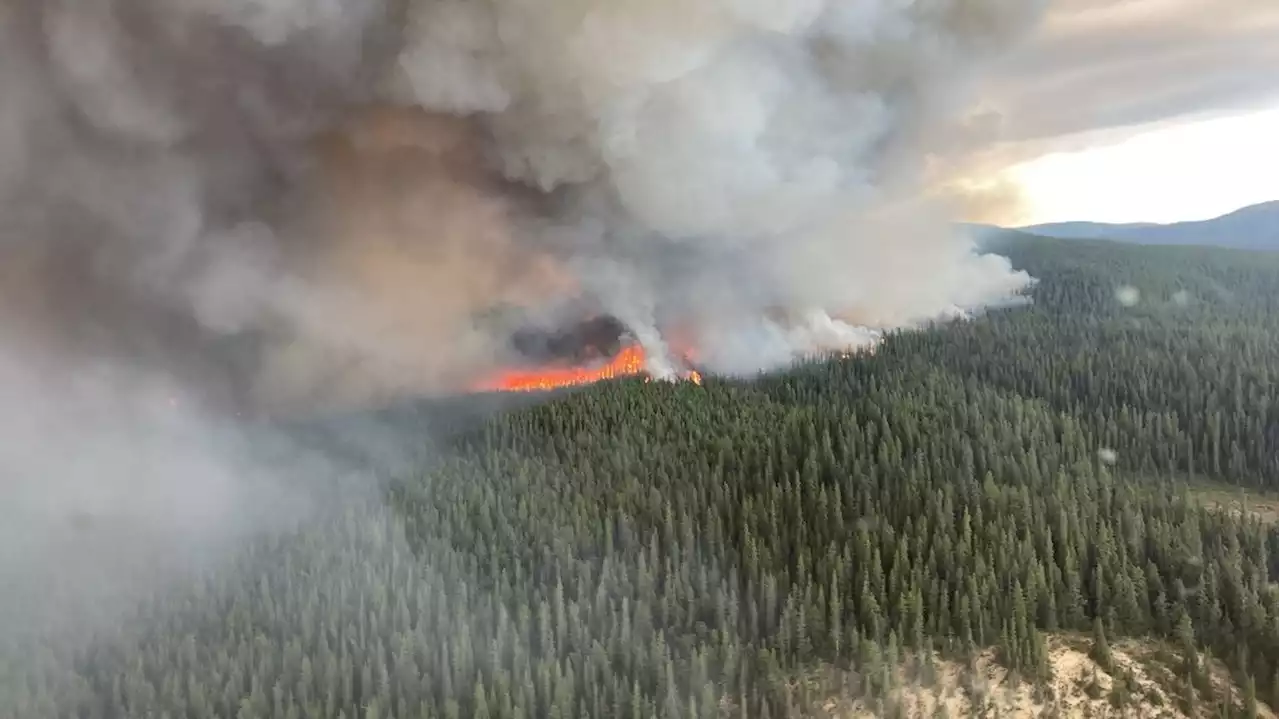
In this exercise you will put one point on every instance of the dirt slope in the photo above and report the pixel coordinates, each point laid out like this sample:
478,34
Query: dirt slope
1142,684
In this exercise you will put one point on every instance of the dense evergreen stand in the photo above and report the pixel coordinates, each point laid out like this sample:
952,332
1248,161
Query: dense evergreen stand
638,550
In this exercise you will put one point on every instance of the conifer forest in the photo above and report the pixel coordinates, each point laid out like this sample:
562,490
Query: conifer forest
748,547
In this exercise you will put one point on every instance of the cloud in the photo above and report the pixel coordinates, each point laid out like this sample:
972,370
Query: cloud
1093,66
1097,72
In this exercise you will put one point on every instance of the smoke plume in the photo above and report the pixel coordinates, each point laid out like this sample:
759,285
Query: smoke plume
213,209
307,203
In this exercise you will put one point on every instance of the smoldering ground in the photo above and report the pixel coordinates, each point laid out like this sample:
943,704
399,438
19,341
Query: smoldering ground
214,209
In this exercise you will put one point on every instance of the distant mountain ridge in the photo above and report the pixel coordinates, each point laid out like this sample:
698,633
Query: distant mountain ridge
1256,227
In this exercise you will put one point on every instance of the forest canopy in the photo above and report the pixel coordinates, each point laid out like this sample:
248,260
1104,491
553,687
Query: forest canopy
650,549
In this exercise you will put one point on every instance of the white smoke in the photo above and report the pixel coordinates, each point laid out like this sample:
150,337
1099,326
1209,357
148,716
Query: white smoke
760,344
112,486
779,132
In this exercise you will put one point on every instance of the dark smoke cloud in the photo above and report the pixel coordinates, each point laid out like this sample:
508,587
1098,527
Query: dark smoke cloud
595,338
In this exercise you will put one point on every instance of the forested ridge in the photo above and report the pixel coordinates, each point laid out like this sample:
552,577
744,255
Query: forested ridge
656,550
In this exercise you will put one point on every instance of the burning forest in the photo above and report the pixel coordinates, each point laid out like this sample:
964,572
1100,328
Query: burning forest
630,361
302,205
596,349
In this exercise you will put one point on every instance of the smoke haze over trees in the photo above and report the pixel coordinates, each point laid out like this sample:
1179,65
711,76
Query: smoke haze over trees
675,550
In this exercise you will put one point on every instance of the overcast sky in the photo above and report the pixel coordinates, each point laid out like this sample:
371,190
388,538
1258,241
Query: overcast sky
1166,110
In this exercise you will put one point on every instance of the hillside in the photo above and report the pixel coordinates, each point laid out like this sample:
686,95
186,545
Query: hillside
1140,680
994,504
1256,227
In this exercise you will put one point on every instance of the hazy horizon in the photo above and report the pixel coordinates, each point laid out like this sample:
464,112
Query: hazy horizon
1197,218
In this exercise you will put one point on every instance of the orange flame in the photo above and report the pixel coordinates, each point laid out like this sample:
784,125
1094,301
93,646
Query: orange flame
629,362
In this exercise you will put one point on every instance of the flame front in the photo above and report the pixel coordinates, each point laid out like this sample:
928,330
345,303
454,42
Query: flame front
631,361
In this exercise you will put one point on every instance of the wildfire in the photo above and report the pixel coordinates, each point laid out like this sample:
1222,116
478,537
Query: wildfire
629,362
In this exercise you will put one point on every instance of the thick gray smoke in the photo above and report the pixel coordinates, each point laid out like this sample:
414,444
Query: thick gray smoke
722,158
310,202
212,208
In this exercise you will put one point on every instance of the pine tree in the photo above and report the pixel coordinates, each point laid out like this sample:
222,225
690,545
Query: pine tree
1101,651
1250,698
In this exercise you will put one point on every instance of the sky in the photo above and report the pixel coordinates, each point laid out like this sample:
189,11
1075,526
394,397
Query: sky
1129,111
1169,173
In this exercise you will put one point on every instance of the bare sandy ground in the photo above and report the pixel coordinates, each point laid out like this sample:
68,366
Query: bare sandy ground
1079,688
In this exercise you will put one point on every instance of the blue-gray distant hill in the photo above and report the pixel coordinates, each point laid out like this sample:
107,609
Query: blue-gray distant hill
1256,227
